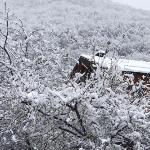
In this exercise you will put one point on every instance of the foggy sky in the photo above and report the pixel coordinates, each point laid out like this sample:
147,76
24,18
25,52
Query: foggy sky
142,4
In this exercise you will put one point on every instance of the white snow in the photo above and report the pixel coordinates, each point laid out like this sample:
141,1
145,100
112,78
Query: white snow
121,64
36,97
134,65
14,138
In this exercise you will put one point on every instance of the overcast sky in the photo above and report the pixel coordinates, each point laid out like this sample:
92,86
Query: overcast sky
143,4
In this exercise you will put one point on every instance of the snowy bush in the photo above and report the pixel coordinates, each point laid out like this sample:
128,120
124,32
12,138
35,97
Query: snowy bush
41,108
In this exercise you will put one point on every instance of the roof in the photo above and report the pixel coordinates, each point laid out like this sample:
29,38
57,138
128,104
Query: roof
121,64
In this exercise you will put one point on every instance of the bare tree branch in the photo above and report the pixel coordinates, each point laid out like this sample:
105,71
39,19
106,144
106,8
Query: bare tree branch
64,122
6,35
75,109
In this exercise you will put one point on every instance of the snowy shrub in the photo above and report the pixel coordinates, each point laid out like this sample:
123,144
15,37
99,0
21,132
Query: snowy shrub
41,108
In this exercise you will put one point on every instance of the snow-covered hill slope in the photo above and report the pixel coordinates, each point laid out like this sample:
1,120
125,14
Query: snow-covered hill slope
68,13
128,29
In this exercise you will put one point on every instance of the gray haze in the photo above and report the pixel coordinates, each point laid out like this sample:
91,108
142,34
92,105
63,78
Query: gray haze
141,4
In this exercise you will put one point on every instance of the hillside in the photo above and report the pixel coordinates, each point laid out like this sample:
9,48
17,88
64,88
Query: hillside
90,12
102,20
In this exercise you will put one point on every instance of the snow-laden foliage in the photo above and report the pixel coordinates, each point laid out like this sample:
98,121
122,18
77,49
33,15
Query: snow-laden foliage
41,108
84,26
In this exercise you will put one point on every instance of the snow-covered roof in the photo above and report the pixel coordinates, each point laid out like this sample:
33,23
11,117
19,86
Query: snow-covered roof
101,51
121,64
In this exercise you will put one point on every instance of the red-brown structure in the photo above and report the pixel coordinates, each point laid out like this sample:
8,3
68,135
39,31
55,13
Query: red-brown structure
140,70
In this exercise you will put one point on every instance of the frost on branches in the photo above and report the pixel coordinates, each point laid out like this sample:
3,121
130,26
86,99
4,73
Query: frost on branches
41,108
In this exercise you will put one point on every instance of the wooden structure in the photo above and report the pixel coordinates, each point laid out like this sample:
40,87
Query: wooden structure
140,70
85,67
